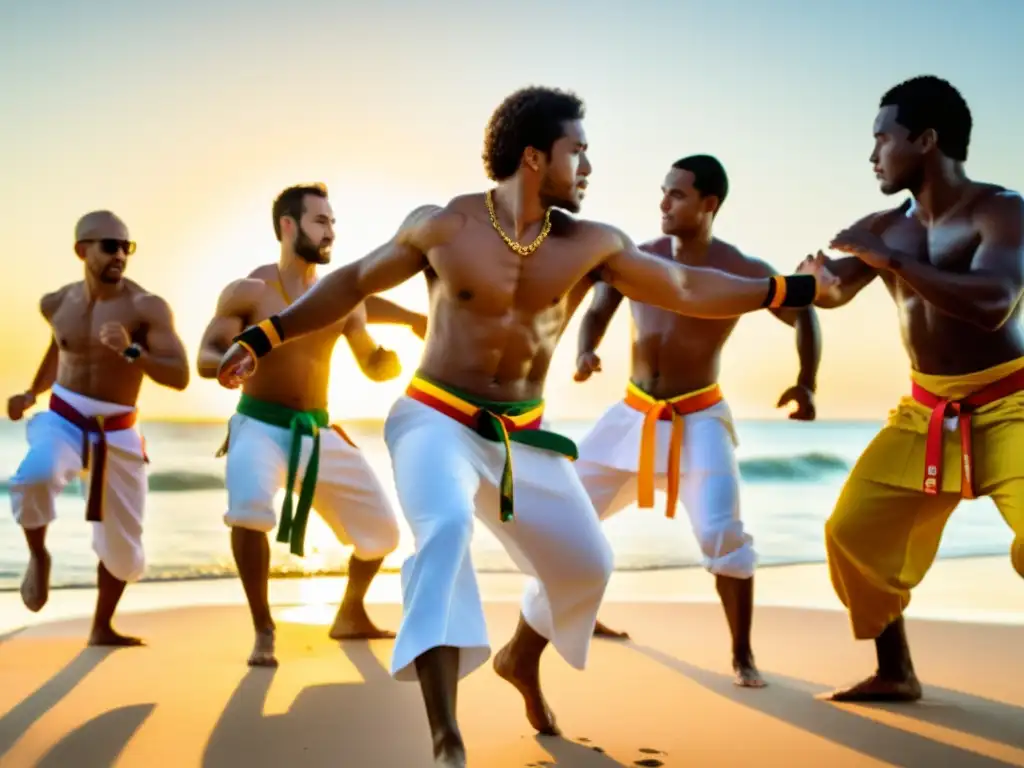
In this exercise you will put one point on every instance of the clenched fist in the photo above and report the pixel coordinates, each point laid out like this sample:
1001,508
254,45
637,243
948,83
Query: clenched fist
235,367
18,404
383,365
804,399
115,336
587,364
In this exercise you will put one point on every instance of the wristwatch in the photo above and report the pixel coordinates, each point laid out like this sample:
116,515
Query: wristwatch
132,352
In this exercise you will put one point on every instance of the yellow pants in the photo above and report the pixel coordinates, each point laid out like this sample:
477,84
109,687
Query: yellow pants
884,532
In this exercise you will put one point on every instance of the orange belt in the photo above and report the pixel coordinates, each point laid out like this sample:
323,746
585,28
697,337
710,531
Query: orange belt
962,409
93,425
673,409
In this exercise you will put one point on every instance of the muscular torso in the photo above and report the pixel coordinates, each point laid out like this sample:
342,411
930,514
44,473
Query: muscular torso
85,365
496,316
938,343
297,375
674,354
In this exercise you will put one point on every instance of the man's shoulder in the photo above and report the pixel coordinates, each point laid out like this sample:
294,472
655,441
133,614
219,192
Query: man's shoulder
995,202
147,304
431,225
264,273
248,290
596,234
50,302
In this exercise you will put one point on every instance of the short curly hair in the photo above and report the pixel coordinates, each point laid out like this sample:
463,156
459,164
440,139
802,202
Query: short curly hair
709,177
530,117
930,102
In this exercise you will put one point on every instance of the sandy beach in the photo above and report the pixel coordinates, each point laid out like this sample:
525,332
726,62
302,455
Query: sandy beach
663,699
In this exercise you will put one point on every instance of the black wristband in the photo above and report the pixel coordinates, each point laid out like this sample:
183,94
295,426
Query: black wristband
262,337
794,291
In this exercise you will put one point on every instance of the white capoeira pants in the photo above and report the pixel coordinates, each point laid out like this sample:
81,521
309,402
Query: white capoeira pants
708,483
445,474
348,496
54,458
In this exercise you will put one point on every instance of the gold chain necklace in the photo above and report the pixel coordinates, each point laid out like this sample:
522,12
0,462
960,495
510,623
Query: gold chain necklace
522,250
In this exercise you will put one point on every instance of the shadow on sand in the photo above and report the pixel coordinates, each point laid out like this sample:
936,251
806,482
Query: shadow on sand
791,700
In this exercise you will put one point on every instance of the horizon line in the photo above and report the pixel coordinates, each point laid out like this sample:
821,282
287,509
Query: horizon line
221,420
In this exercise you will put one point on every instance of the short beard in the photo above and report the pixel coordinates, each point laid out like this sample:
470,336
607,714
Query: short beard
108,278
309,252
549,200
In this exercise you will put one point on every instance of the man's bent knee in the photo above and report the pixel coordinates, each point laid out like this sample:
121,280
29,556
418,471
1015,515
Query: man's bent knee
260,518
125,567
379,544
593,567
728,551
33,503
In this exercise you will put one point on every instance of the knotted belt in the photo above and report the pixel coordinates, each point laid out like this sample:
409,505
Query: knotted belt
941,408
292,527
497,421
99,426
673,409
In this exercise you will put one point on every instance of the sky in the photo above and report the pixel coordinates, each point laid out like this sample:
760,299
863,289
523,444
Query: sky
187,119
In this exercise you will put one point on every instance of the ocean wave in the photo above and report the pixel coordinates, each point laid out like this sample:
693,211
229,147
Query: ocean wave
803,467
799,468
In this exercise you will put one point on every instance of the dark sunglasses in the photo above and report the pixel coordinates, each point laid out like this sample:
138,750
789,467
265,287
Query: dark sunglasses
110,246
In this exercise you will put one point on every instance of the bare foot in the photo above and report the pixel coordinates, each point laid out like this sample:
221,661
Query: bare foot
107,636
600,630
353,623
35,587
877,688
747,675
537,710
263,650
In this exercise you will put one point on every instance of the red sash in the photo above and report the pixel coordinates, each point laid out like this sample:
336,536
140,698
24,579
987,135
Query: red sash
962,409
94,425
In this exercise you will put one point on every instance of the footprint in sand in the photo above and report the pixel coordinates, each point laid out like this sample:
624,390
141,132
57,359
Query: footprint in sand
649,762
584,740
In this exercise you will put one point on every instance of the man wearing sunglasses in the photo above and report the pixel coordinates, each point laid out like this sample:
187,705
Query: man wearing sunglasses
108,333
281,435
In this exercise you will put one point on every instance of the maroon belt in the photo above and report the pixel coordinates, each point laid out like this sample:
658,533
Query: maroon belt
93,425
962,409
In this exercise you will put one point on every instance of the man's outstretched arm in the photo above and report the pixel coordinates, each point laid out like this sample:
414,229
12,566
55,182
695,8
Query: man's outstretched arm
701,292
